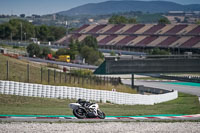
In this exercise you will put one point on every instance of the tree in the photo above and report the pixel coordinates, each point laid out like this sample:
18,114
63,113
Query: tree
23,26
45,51
61,51
163,21
33,50
112,53
116,19
22,15
56,32
43,32
74,45
157,51
132,21
85,53
90,41
198,22
74,48
5,31
91,56
21,29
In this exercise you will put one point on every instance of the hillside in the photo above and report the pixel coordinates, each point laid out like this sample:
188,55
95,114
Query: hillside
126,6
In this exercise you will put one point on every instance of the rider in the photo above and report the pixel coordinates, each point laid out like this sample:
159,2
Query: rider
83,103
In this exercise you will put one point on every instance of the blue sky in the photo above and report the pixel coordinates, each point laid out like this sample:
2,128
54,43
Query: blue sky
42,7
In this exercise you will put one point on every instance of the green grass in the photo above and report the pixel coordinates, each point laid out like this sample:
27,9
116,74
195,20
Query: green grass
18,105
13,48
18,72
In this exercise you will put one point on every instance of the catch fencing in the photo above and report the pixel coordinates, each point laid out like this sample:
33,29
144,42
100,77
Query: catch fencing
63,92
20,72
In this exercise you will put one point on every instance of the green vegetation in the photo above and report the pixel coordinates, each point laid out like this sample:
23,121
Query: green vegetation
17,29
76,78
164,21
149,18
112,53
33,50
87,49
116,19
38,51
81,72
198,22
157,51
18,105
10,47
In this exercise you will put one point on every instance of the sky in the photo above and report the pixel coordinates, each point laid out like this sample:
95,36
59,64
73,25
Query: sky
42,7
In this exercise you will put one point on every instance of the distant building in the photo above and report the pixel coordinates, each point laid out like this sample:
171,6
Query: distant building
140,36
36,16
54,17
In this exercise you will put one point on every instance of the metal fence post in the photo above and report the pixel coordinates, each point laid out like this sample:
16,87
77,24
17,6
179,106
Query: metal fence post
87,79
41,74
83,80
132,81
74,79
54,76
60,76
78,79
90,80
7,74
48,76
104,80
65,77
107,80
28,74
70,78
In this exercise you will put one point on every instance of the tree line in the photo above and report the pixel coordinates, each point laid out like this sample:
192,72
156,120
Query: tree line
117,19
17,29
86,49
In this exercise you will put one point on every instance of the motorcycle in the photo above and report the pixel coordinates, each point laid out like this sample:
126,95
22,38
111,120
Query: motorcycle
83,109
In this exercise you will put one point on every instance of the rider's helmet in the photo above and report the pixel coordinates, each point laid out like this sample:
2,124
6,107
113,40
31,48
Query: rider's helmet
79,100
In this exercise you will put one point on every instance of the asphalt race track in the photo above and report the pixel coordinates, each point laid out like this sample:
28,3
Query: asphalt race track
194,90
46,118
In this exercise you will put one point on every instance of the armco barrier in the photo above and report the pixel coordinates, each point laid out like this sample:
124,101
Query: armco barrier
37,90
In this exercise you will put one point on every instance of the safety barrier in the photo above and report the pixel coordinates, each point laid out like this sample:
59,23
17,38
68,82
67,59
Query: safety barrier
62,92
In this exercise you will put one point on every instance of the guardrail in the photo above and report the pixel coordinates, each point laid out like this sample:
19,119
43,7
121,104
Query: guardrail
62,92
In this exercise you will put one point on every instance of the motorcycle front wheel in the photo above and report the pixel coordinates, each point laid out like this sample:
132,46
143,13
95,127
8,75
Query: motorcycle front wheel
101,114
79,113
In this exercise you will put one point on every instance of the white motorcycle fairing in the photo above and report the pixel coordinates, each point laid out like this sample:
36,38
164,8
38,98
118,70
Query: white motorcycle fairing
74,105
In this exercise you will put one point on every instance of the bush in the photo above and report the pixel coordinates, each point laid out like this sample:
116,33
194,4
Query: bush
33,49
15,47
157,51
81,72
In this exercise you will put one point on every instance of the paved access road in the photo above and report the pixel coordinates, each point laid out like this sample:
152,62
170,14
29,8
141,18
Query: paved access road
102,127
194,90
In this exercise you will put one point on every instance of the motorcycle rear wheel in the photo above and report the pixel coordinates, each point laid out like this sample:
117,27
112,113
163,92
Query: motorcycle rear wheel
79,113
101,114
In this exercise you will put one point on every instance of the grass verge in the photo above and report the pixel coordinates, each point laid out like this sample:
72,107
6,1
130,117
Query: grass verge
18,72
19,105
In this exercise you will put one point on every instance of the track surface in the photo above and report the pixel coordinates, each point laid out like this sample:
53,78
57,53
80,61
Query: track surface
108,118
185,88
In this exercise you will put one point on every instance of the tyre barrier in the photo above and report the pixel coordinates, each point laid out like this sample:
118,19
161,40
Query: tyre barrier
63,92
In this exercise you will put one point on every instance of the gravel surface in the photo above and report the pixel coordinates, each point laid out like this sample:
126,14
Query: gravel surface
105,127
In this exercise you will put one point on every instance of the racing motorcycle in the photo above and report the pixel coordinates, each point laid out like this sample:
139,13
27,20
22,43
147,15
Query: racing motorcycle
84,109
